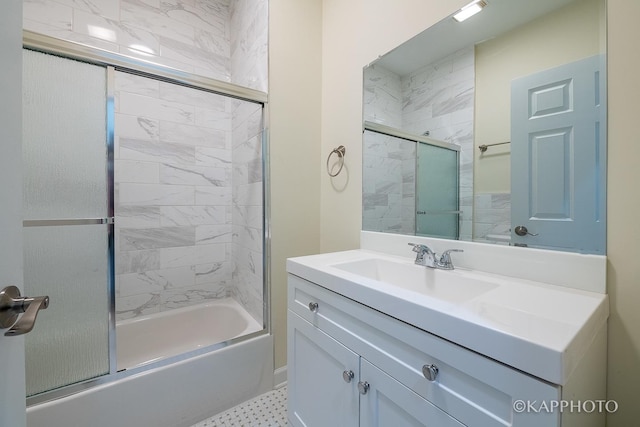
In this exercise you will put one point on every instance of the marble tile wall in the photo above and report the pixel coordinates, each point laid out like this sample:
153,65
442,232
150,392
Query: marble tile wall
438,98
211,38
173,178
382,96
176,204
492,222
247,208
388,197
249,43
388,194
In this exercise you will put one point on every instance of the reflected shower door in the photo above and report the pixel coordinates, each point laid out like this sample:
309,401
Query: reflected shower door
65,214
388,176
437,201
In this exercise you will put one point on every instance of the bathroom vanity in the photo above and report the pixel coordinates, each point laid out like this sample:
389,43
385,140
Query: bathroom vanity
375,340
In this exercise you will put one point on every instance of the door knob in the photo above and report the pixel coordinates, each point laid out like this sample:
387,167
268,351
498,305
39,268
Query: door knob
12,305
521,230
347,376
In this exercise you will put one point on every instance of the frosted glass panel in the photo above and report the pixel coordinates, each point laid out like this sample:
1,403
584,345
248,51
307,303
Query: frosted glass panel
437,192
65,158
64,134
69,343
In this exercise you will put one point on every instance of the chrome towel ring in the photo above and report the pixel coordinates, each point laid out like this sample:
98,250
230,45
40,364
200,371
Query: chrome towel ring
340,151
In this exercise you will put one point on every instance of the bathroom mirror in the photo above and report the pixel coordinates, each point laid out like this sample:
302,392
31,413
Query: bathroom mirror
492,129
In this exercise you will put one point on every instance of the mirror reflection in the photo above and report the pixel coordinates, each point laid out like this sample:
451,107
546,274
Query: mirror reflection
492,129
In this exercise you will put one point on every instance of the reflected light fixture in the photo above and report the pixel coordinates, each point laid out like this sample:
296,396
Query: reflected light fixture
469,10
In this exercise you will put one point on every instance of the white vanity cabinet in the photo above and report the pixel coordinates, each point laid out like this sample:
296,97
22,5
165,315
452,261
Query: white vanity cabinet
350,365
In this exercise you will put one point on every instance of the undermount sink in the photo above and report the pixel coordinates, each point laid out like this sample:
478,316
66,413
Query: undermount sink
450,286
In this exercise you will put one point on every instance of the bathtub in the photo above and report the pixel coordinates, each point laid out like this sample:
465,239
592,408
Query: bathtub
153,337
181,390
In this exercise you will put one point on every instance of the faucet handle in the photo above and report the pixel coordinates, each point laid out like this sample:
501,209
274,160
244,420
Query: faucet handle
445,260
418,247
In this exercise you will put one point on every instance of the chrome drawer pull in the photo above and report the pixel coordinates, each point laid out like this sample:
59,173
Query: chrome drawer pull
363,387
347,376
430,372
313,306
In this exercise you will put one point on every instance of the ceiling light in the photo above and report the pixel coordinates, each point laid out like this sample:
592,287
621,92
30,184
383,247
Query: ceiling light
469,10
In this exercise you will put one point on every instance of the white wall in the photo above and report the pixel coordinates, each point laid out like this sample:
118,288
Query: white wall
356,32
294,103
623,204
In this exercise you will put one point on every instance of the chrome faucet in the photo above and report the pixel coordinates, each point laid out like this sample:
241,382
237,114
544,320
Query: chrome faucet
428,258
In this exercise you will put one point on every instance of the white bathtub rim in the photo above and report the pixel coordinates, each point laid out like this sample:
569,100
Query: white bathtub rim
60,412
139,360
107,379
228,302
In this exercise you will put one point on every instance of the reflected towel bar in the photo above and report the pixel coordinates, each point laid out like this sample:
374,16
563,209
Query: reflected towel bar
484,147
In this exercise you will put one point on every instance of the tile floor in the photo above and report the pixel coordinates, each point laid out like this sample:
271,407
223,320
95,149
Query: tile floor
266,410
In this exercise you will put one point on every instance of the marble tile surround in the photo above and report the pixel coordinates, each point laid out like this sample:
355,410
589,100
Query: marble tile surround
221,39
492,218
388,193
438,98
189,224
188,198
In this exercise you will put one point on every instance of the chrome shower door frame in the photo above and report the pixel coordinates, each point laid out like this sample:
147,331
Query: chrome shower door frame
117,62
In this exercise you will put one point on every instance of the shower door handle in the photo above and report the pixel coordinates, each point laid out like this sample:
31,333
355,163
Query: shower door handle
12,305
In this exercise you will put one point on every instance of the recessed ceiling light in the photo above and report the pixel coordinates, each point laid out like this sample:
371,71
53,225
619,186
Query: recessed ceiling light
469,10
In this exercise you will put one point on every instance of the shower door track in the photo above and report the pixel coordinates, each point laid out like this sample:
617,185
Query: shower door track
63,222
119,62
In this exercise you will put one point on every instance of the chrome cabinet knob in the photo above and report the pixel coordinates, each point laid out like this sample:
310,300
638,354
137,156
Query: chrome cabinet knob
313,306
347,376
430,372
363,387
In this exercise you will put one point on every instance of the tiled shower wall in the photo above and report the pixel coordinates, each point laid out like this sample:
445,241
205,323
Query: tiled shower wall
247,207
173,194
438,98
492,218
221,39
183,211
388,196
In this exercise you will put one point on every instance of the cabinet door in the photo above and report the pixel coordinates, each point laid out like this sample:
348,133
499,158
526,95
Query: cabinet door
318,393
389,403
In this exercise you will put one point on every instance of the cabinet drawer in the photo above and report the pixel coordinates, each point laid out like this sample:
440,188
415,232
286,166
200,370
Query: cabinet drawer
474,389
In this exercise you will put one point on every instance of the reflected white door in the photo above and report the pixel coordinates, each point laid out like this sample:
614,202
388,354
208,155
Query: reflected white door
558,157
12,382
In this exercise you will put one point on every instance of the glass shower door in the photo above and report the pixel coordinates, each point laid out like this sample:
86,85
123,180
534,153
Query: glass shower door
437,201
65,219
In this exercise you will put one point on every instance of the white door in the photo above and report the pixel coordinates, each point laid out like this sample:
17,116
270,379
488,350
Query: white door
558,157
12,382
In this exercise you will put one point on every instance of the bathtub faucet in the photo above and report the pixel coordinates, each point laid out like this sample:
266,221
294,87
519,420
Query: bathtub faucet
428,258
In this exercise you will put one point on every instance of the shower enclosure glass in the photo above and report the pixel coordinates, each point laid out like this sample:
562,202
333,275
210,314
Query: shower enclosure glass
142,195
410,183
65,199
437,200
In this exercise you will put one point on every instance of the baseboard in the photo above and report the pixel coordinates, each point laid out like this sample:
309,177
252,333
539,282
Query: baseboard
280,377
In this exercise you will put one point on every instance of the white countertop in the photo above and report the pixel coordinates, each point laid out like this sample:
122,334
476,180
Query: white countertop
535,327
